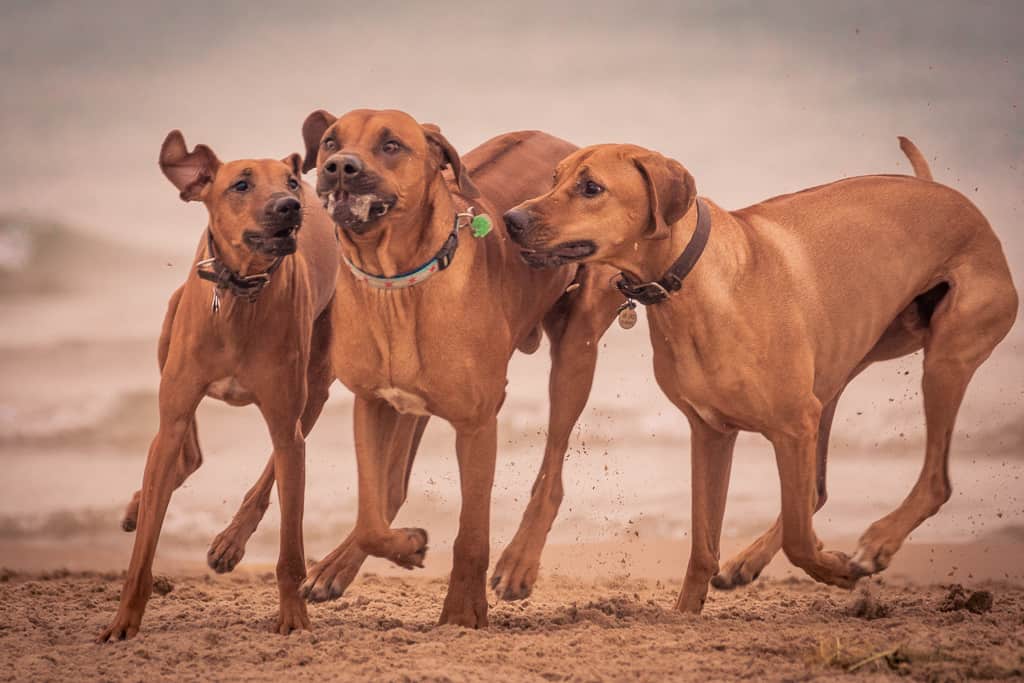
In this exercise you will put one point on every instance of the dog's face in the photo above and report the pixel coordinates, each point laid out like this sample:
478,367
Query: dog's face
254,204
373,167
605,199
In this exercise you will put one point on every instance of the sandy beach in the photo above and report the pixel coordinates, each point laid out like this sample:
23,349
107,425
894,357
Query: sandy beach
616,628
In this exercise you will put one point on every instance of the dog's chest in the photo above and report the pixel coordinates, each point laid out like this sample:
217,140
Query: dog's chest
685,379
230,390
406,402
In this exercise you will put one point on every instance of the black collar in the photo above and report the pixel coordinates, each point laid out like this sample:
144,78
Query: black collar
655,292
245,287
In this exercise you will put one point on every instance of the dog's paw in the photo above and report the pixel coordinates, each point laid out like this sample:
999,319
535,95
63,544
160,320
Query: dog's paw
329,578
735,575
516,572
227,549
131,514
834,568
125,626
292,617
409,548
465,604
870,559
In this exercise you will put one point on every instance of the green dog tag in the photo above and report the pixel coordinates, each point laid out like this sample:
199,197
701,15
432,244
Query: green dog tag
480,225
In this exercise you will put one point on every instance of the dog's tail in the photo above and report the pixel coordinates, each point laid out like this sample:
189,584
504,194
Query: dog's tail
917,160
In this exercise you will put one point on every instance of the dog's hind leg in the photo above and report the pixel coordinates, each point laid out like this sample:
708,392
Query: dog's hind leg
228,547
574,326
329,578
973,318
191,455
905,335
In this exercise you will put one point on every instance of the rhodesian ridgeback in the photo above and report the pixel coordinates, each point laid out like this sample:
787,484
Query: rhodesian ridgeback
760,317
248,326
506,169
428,317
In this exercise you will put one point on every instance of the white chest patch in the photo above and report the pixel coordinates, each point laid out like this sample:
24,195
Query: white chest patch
404,401
229,390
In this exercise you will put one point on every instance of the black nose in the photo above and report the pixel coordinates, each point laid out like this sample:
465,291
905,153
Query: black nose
343,165
285,209
516,221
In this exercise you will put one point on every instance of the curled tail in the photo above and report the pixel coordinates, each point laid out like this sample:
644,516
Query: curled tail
917,160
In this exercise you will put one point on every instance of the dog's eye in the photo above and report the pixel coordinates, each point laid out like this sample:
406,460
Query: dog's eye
391,147
241,186
330,144
591,189
293,184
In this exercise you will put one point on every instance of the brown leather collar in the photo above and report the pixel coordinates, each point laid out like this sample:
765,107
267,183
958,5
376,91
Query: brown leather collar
655,292
245,287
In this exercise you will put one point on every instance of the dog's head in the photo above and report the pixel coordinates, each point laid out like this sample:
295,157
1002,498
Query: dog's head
605,200
375,166
253,203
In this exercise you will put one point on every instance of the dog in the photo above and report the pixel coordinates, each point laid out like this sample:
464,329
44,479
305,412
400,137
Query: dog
427,318
760,317
249,325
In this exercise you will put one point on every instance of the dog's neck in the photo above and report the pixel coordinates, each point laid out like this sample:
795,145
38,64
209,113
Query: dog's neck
647,260
409,240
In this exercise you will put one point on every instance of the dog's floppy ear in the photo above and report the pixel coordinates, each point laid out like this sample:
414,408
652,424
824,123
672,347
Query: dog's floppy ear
190,172
671,192
449,157
294,162
312,131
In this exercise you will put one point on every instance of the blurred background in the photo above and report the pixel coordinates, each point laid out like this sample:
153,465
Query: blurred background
756,99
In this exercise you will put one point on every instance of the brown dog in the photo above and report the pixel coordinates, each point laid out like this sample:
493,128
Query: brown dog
790,299
427,320
246,327
506,169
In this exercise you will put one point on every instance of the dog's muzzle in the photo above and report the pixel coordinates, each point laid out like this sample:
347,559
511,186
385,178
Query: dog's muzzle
567,252
278,233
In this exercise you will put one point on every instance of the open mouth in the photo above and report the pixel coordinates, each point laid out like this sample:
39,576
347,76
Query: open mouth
282,242
356,211
566,252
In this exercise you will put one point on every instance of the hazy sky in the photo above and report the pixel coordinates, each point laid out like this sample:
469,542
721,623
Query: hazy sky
754,98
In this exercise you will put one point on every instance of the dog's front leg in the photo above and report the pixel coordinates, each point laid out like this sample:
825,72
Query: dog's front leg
466,602
330,577
378,427
180,393
710,464
282,416
574,328
748,564
228,547
795,455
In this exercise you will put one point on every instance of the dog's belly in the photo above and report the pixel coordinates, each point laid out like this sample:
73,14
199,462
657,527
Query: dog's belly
404,401
231,391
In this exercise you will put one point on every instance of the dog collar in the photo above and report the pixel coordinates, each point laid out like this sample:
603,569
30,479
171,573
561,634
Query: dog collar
246,287
658,291
480,224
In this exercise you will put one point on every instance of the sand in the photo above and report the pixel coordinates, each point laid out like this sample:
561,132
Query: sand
599,629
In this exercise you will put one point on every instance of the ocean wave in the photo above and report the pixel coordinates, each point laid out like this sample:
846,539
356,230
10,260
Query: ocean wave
46,257
127,419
